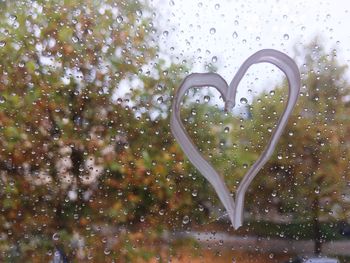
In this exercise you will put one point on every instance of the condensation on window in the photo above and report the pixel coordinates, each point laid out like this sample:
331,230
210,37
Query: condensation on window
90,170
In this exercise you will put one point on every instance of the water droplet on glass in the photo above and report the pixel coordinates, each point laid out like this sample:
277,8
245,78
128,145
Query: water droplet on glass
212,30
55,236
279,156
206,98
2,43
214,59
165,33
13,17
227,129
185,220
138,13
235,35
2,100
75,39
243,100
194,193
160,100
217,6
119,19
285,36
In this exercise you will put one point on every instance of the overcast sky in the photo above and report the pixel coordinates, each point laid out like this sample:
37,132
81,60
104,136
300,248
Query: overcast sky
227,32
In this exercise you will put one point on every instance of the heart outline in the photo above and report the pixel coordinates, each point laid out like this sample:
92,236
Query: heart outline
235,206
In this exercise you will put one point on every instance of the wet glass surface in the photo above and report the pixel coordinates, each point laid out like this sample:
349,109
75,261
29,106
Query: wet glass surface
91,172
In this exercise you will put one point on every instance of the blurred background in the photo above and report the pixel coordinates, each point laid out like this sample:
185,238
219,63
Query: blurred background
90,172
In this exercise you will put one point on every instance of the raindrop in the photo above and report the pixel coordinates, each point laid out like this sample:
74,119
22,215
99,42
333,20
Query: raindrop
119,19
75,39
2,100
13,17
160,100
285,36
206,98
185,220
217,6
227,129
194,193
139,13
212,31
55,236
214,59
235,35
243,100
165,33
2,43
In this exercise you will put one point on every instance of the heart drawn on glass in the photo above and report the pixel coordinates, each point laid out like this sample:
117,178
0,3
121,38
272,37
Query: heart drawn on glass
234,207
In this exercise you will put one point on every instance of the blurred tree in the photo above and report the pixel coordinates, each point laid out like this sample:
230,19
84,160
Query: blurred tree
88,166
84,139
307,178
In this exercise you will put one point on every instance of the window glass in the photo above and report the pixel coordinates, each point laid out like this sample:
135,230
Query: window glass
90,170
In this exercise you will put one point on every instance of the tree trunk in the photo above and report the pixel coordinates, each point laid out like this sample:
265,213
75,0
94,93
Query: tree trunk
316,225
